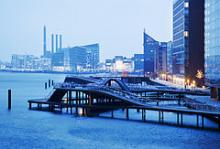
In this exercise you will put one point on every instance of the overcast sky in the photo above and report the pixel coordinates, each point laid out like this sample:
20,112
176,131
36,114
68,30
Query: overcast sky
116,24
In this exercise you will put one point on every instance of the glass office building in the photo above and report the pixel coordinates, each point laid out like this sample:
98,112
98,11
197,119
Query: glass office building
160,65
212,46
180,27
150,45
82,57
212,41
188,40
170,57
92,56
138,63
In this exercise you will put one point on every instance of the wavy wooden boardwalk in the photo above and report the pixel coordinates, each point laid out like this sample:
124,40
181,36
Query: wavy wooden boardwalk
93,96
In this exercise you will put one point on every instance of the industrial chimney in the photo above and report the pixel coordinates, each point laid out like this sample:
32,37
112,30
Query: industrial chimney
52,43
60,42
57,43
45,42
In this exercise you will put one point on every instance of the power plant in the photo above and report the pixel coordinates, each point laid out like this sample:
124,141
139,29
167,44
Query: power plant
54,48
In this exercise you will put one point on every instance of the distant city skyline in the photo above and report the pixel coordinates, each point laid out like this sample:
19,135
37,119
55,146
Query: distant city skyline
116,25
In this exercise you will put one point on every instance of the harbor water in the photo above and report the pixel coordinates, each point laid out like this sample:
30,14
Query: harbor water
24,128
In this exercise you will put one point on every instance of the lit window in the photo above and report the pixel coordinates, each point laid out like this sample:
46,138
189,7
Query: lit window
186,34
186,5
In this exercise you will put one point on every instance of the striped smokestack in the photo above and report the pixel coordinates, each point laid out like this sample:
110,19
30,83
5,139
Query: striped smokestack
52,43
60,42
57,43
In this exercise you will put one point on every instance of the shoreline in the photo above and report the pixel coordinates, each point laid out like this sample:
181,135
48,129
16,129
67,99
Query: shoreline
49,72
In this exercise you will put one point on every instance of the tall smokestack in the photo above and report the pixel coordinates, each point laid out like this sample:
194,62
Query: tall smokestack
45,41
60,42
57,43
52,43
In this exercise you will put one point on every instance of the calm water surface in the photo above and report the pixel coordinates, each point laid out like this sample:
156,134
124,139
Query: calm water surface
22,128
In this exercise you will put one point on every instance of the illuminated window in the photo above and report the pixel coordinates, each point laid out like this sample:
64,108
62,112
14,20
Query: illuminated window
186,4
186,34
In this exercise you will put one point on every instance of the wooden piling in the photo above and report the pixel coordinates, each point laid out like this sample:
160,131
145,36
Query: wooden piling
9,99
49,83
45,85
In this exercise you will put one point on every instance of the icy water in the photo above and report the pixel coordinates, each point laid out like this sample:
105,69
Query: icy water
22,128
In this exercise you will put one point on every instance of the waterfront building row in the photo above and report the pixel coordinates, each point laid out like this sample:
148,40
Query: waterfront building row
193,57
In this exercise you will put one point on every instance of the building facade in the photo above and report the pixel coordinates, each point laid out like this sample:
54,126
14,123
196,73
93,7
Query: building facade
138,63
150,45
92,56
170,58
160,65
80,58
30,63
188,40
57,61
119,64
74,59
212,46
